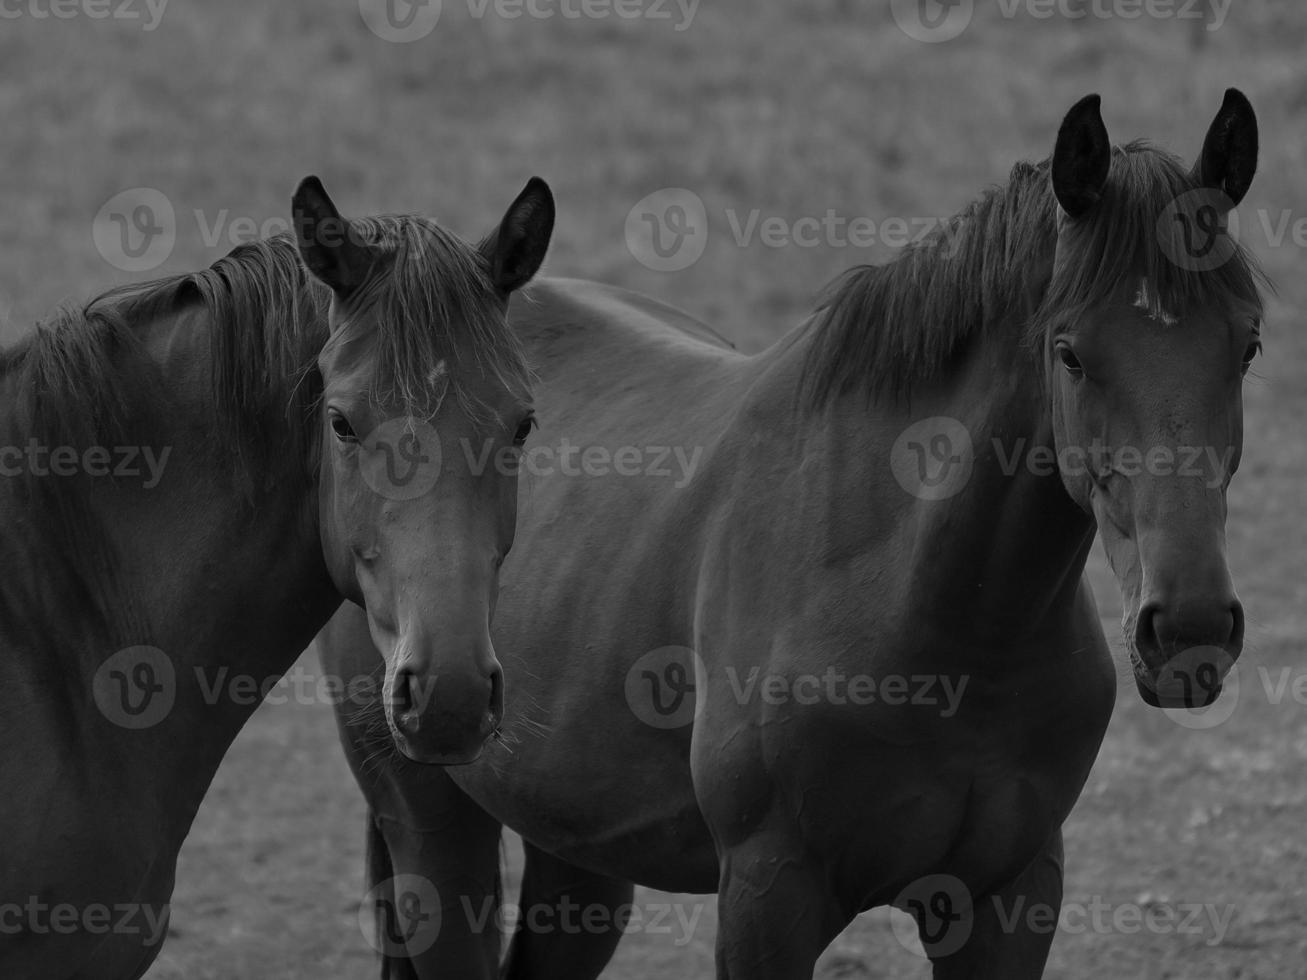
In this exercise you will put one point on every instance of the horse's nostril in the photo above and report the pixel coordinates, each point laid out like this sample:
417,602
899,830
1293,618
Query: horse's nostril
1165,628
1146,638
401,697
496,706
1237,624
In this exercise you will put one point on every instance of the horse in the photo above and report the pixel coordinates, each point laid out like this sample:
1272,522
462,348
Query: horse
195,476
847,658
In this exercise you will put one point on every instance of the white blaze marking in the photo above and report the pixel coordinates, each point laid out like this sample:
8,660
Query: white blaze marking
1150,304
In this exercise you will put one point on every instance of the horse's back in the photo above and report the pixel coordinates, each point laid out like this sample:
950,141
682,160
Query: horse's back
595,347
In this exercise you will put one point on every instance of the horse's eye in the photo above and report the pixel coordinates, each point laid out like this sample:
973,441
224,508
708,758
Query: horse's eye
1250,354
523,430
341,427
1070,362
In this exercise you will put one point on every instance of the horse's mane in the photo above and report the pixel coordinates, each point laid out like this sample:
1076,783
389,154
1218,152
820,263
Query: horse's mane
883,329
84,378
82,373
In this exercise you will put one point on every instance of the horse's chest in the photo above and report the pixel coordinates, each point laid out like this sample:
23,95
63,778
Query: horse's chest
975,784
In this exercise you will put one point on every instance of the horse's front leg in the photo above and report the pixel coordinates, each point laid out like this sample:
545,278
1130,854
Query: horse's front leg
1011,929
776,913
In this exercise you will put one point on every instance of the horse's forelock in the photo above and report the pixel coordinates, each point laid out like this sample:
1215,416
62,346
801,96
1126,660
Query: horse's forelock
433,319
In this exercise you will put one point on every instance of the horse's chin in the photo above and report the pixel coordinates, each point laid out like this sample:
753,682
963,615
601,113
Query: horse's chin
1151,696
437,757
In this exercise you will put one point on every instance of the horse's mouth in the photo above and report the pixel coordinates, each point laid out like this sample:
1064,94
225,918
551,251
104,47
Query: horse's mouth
1174,695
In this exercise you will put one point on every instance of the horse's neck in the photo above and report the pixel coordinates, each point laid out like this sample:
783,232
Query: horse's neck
1007,545
229,591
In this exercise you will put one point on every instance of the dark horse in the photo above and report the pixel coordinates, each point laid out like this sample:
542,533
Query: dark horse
187,498
872,580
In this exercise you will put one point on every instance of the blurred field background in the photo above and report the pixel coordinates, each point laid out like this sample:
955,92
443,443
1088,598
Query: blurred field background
791,109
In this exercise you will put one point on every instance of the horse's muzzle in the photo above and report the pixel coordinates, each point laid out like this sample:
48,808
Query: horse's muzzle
445,717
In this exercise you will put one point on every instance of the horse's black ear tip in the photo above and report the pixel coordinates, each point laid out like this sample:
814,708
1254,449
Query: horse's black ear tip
1091,104
1236,103
309,189
539,188
1233,97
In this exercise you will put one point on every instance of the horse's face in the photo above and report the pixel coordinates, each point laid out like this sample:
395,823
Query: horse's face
1147,407
1148,422
418,494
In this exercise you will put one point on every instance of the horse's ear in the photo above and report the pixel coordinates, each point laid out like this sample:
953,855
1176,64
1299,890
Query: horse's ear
516,249
1229,157
1081,158
326,244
